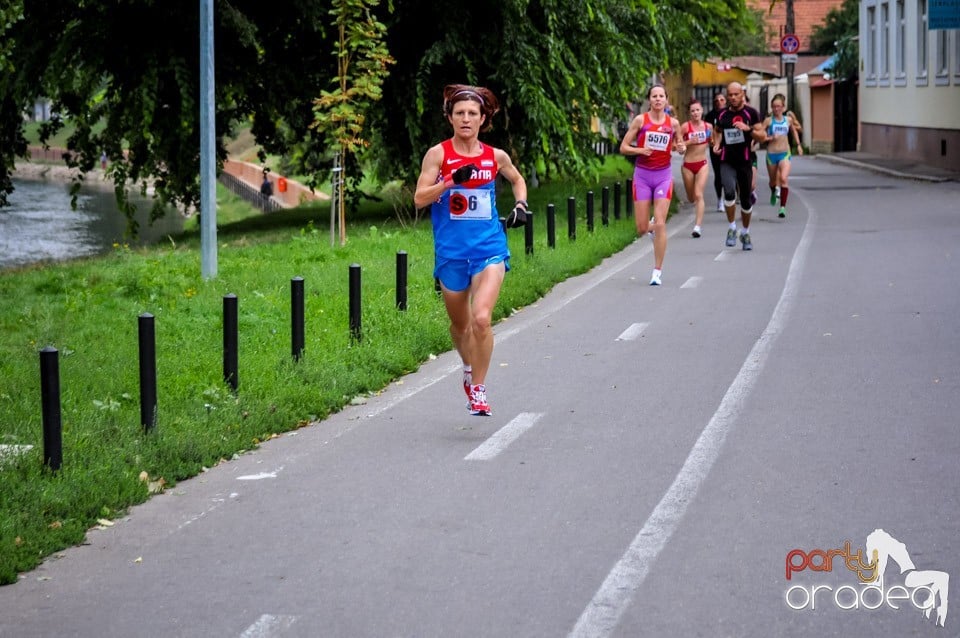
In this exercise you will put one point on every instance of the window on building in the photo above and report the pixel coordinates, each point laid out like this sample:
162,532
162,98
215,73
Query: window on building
884,69
923,48
943,56
956,57
870,56
901,46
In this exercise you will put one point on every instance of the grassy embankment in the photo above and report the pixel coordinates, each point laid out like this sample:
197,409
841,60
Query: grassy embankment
88,310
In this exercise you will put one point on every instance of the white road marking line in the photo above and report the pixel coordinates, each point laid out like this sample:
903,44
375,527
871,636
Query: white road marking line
504,437
693,282
268,625
260,476
723,256
634,331
602,614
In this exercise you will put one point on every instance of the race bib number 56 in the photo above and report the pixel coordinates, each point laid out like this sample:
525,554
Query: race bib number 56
470,203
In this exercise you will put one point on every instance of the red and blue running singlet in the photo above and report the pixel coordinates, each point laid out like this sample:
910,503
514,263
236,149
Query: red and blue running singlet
658,138
465,220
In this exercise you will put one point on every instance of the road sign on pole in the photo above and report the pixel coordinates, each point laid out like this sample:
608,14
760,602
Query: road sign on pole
789,43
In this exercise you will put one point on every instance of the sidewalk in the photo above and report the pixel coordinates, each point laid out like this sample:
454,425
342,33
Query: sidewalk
896,167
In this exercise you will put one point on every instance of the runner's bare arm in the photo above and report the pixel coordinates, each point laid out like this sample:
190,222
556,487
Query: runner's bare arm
428,188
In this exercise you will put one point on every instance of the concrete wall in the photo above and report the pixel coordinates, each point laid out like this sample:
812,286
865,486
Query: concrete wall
905,110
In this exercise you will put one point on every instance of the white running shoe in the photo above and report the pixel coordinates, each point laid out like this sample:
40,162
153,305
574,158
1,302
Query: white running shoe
655,278
696,231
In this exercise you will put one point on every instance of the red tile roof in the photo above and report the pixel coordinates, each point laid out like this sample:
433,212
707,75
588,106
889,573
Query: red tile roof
806,14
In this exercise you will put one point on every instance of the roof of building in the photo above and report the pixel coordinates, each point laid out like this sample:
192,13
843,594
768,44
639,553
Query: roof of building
806,15
770,64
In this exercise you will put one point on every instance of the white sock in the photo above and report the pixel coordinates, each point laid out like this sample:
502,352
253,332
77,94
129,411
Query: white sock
733,225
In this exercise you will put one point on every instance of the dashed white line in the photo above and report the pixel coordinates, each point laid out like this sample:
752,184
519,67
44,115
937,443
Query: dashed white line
258,477
602,614
723,256
504,437
634,331
268,625
693,282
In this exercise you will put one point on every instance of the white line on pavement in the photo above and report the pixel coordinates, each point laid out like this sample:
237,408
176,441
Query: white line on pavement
693,282
504,437
723,256
634,331
268,625
602,614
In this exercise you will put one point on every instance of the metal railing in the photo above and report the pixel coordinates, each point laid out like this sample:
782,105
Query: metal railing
249,193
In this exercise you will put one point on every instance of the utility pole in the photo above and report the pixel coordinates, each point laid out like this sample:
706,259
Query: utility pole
791,29
208,167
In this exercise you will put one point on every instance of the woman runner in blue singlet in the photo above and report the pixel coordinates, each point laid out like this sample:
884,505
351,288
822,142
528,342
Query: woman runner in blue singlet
458,181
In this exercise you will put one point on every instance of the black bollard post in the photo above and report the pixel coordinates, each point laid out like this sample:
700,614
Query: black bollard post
355,334
230,342
616,200
628,211
551,226
50,403
572,218
297,323
401,280
605,206
148,371
528,234
589,211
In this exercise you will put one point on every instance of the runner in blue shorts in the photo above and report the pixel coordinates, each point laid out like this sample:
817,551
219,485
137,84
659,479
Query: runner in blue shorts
458,181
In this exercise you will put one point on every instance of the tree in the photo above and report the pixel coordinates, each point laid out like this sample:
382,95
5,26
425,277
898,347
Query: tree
132,92
362,61
556,65
838,36
559,65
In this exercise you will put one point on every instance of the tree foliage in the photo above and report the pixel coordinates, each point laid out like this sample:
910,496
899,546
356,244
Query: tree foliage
560,65
362,61
838,36
557,67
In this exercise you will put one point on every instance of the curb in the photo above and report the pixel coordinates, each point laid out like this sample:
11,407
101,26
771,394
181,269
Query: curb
882,169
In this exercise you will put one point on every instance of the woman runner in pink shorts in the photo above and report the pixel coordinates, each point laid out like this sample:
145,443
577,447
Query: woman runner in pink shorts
650,139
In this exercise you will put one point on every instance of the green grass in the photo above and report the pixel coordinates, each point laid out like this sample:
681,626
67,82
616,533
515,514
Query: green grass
88,310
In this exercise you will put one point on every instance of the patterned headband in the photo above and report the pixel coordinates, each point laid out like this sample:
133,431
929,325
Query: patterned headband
468,92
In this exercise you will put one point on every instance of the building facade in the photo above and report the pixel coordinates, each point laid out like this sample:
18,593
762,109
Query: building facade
909,91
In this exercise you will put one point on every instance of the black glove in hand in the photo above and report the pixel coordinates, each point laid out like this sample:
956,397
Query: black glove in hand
463,173
516,217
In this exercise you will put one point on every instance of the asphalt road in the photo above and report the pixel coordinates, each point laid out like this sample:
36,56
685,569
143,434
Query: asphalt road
654,456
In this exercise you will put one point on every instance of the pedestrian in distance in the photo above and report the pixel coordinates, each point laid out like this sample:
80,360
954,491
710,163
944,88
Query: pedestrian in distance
458,180
738,125
719,103
779,128
650,139
696,136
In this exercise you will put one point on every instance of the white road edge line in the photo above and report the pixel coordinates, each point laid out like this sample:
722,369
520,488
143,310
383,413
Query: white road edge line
503,437
693,282
267,625
633,331
603,613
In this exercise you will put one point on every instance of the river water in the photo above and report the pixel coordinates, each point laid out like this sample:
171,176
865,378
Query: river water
39,225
